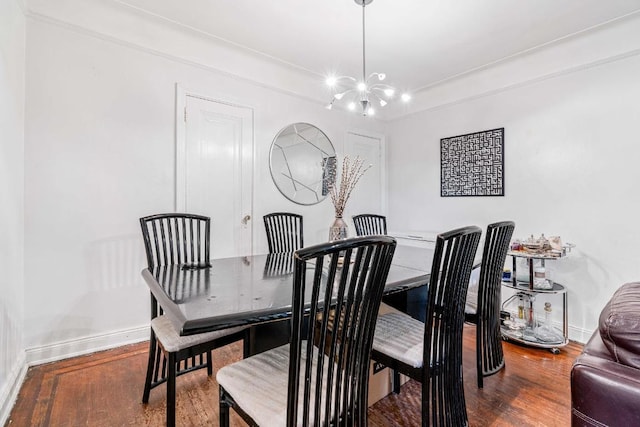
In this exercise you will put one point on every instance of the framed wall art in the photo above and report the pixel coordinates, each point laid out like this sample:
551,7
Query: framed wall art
472,164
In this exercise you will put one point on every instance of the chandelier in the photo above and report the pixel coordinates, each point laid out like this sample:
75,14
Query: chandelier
365,92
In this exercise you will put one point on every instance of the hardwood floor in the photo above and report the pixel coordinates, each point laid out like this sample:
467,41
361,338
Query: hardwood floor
105,389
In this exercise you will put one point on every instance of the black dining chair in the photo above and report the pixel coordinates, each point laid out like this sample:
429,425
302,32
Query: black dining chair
176,239
489,355
431,352
370,224
285,232
321,377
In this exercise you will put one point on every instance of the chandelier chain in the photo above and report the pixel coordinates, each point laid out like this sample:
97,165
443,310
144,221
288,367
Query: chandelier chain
364,73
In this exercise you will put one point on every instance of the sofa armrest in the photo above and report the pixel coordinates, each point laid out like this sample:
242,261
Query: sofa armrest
604,392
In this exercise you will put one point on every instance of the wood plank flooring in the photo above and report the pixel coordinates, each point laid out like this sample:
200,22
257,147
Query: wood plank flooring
105,389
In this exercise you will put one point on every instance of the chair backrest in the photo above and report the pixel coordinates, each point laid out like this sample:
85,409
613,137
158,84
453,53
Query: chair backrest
496,246
284,232
176,238
351,275
444,322
370,224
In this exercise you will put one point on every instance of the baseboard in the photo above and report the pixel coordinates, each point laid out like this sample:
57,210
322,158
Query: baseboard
85,345
579,335
9,393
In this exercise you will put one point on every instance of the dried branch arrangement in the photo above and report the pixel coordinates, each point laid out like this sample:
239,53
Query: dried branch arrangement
352,171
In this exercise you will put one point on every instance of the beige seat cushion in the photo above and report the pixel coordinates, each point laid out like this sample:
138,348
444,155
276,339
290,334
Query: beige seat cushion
401,337
471,304
171,340
259,385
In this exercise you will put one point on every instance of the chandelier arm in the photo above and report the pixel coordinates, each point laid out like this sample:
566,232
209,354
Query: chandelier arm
342,94
345,77
372,75
381,86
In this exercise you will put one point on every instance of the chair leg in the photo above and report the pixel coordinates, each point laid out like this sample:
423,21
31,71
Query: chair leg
246,340
479,351
150,365
395,382
171,391
209,362
224,409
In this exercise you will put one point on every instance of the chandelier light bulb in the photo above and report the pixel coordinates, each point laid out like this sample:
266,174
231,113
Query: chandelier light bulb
338,96
351,106
382,76
329,106
383,102
331,81
406,97
362,86
389,92
371,111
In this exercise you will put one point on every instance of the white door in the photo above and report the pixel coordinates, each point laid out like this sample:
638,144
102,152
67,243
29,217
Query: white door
369,196
215,171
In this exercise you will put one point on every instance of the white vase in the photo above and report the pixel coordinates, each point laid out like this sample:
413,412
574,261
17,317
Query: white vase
338,229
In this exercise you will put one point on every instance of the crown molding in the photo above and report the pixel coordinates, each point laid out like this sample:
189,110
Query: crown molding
599,46
22,4
122,24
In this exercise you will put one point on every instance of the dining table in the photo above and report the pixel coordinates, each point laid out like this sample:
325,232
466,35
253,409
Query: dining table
256,290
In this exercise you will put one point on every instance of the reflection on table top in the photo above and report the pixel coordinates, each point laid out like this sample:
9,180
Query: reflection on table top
253,289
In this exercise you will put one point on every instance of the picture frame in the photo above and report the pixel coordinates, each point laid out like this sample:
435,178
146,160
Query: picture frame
472,164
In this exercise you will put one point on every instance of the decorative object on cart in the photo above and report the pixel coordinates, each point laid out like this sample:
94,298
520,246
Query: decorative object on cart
352,171
550,247
472,164
302,163
363,91
546,332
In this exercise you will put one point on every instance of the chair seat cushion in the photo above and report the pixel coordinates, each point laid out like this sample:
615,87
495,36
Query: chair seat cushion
471,304
401,337
171,340
259,384
620,325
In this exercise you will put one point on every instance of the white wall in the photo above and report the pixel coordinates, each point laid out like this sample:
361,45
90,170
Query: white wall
571,169
100,153
12,71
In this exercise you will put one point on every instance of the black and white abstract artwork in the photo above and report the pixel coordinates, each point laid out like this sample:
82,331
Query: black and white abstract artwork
472,164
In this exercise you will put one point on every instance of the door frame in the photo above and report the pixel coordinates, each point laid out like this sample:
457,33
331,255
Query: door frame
383,159
181,148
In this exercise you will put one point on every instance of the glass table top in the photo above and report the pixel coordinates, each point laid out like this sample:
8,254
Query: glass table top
253,289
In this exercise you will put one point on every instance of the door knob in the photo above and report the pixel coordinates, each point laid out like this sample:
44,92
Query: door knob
246,219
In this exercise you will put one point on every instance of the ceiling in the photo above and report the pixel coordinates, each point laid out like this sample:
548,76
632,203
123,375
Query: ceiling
417,43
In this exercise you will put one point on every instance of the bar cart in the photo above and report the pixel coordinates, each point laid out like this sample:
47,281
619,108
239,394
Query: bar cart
524,326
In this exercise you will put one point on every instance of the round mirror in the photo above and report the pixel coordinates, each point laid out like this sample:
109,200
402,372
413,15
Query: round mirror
303,163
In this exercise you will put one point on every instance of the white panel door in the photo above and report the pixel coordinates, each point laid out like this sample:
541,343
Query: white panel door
215,172
369,196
